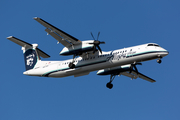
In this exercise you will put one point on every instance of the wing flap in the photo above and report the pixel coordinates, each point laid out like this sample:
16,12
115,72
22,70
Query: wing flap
58,38
140,75
127,74
135,75
64,35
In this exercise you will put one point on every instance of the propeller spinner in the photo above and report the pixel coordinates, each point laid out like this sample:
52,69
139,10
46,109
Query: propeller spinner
96,43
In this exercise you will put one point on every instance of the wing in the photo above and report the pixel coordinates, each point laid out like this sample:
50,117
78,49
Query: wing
62,37
135,75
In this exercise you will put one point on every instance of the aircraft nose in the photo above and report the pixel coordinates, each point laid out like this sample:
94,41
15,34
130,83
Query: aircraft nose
165,53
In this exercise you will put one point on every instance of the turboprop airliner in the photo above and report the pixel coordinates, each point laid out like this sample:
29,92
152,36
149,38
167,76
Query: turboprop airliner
87,57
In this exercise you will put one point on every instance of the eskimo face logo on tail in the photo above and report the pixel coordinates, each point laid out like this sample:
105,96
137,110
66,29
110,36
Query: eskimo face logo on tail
30,59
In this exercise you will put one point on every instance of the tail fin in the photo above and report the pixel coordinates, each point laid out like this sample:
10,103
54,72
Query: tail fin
31,52
30,57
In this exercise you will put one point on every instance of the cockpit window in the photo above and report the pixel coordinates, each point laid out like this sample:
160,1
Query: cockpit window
150,45
153,45
156,45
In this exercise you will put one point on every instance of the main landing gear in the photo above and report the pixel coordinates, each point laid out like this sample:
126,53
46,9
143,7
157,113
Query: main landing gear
109,84
71,64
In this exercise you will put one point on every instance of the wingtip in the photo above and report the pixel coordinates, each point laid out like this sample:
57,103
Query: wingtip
35,18
9,37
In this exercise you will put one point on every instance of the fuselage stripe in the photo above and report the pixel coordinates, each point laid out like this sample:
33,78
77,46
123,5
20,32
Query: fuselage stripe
78,66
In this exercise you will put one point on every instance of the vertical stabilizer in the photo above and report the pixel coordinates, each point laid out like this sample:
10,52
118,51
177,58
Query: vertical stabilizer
31,57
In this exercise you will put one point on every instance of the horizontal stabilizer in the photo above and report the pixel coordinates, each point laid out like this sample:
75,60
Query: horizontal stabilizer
25,44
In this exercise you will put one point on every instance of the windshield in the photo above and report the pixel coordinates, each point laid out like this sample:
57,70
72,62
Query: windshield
153,45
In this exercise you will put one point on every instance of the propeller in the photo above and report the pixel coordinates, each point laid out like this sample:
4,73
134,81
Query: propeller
96,43
133,65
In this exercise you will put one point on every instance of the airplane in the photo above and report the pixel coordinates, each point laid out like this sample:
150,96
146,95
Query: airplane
87,57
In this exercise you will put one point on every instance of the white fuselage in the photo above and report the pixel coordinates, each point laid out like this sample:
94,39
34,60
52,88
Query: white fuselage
93,62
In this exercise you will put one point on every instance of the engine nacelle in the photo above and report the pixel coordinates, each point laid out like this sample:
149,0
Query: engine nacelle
78,49
114,70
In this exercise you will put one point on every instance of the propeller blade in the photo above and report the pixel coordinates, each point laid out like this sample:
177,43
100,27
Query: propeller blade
96,43
94,49
92,36
102,42
99,49
98,35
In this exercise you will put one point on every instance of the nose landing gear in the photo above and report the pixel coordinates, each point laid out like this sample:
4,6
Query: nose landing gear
159,61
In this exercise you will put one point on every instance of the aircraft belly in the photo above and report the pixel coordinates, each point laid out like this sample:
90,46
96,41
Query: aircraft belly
58,74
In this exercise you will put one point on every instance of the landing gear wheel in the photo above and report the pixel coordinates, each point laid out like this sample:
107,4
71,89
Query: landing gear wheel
159,61
71,65
109,85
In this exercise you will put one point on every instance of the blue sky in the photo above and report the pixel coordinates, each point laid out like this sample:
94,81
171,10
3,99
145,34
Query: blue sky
122,23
